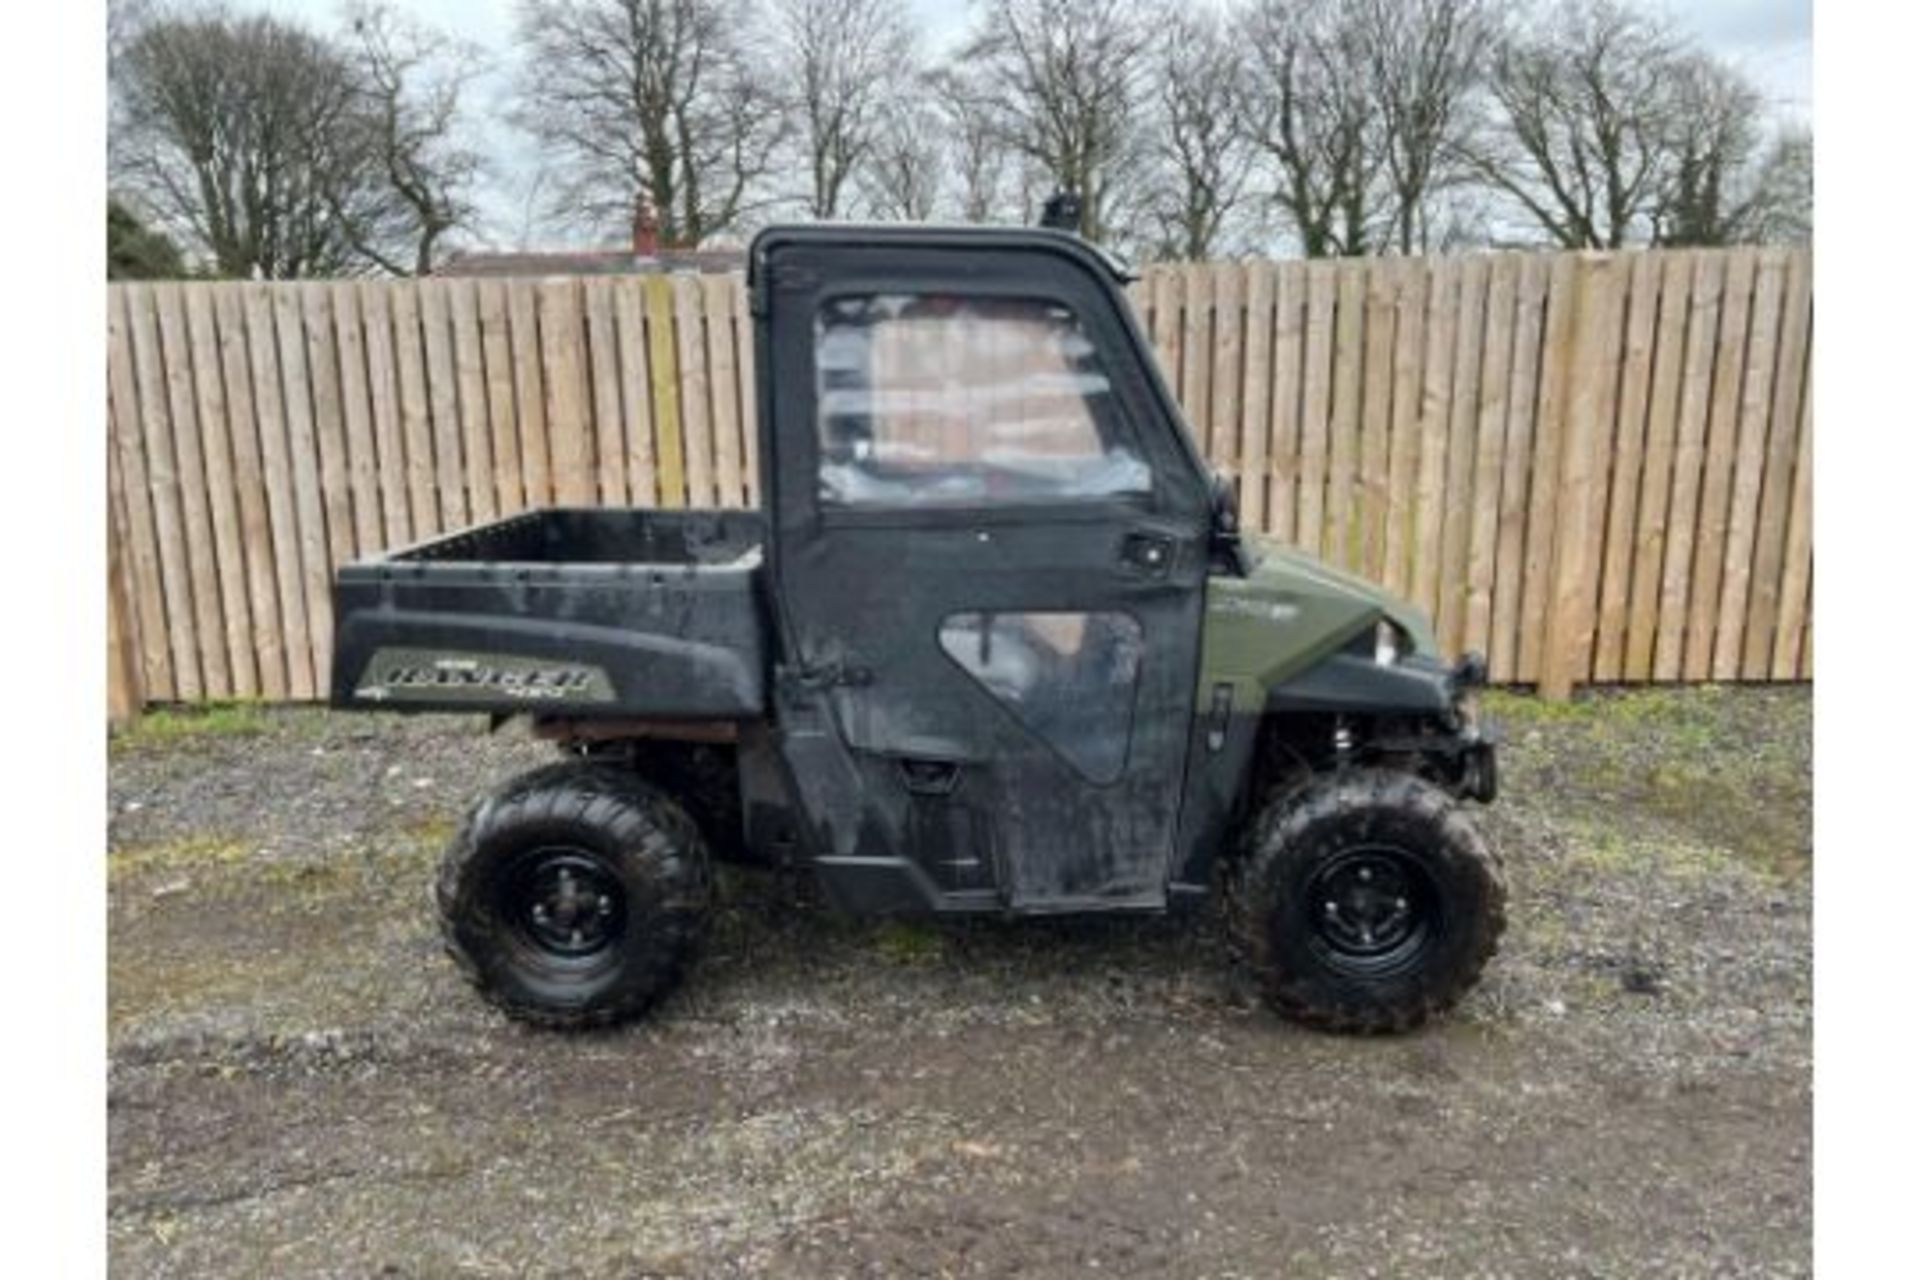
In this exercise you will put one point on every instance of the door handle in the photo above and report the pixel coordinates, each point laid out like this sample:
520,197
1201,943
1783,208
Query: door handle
831,675
1150,554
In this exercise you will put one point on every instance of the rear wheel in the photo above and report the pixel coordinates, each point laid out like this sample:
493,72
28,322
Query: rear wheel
574,896
1367,902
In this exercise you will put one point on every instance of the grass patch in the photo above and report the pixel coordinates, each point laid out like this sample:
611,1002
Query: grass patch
1634,860
187,853
387,859
169,726
904,942
1514,707
1768,831
1699,765
431,831
1668,705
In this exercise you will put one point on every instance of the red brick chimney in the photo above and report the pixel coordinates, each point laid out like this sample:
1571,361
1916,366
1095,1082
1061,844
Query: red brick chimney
646,229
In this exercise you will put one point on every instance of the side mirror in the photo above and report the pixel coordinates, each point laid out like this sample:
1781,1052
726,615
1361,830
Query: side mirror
1227,548
1226,505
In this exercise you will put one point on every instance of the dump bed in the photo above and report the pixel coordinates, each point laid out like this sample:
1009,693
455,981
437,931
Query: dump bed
602,612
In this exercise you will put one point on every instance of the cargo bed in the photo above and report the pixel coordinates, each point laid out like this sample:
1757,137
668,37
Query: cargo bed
601,612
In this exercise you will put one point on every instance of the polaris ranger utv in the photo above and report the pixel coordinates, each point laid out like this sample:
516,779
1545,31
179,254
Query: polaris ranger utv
992,644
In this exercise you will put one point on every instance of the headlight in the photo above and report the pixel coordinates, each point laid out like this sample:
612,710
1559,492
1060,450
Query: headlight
1390,643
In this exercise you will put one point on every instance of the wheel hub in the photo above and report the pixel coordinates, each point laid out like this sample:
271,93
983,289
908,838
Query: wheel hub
570,904
1367,902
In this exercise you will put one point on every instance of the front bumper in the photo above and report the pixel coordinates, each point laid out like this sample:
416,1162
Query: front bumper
1436,706
1477,737
1477,758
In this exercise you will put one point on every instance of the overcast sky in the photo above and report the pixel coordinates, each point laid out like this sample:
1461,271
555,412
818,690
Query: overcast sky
1772,40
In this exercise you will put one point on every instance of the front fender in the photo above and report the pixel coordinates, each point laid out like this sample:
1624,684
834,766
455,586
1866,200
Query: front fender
1349,682
1289,616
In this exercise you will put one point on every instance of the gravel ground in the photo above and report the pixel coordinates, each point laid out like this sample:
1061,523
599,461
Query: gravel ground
300,1085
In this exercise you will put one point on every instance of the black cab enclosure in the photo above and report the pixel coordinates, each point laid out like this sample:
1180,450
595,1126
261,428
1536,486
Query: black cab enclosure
990,547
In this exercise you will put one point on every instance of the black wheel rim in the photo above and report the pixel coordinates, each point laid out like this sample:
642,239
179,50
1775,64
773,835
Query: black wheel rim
563,905
1372,911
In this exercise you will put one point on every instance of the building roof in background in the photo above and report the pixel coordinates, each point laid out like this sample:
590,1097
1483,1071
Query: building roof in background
615,262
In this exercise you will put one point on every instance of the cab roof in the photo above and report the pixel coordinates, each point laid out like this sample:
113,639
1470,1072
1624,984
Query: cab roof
936,235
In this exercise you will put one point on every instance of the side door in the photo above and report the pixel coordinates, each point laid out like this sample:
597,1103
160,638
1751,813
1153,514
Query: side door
989,563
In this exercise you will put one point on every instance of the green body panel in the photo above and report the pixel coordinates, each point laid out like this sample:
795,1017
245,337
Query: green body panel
1289,613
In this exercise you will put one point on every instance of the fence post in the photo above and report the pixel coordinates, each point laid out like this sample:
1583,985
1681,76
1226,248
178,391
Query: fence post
126,693
1588,409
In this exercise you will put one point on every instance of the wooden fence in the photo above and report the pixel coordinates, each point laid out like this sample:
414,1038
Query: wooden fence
1594,468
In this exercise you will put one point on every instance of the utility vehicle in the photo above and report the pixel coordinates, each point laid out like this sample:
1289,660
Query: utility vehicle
992,643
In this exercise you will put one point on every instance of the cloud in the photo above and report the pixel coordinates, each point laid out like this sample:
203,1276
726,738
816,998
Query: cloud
1749,24
1770,40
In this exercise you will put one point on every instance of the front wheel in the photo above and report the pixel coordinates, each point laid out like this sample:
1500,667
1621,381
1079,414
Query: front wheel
574,896
1367,902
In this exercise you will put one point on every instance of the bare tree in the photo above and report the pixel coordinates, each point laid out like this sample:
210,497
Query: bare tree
1310,111
1721,174
654,100
409,81
231,133
967,119
1202,156
1584,99
529,192
843,64
903,177
125,20
1784,210
1066,79
1423,59
136,251
1711,136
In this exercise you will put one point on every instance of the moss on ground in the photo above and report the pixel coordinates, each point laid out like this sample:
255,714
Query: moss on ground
188,853
908,942
248,930
1599,852
169,726
1710,765
434,830
1664,705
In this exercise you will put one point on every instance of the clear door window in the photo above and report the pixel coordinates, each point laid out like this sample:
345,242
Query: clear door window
1069,678
952,401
